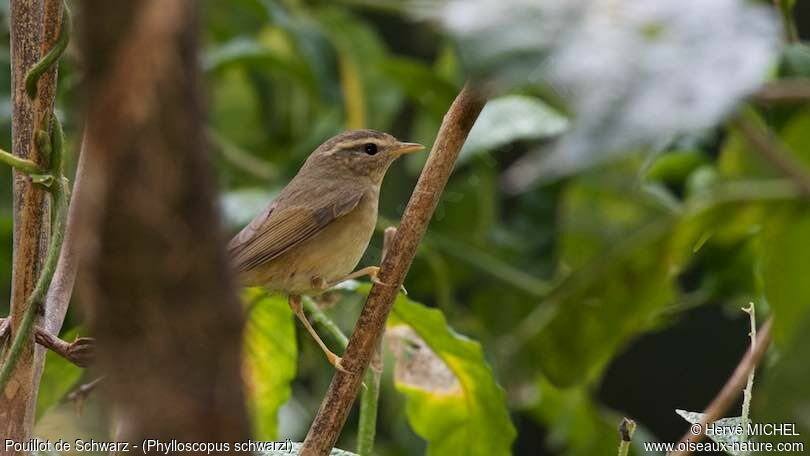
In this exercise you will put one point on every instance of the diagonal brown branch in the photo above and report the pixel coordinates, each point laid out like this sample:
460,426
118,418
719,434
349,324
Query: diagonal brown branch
342,391
733,388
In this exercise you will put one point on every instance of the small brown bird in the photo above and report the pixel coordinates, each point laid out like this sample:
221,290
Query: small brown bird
311,237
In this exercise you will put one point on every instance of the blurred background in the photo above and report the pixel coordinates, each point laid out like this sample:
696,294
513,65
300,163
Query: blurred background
602,229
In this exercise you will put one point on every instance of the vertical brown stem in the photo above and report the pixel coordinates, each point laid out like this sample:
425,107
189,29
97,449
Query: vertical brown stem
34,29
153,268
342,391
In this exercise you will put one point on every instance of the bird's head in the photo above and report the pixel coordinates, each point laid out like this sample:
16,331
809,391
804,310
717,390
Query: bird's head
358,154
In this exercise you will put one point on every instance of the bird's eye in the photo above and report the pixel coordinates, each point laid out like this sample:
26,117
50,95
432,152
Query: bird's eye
370,148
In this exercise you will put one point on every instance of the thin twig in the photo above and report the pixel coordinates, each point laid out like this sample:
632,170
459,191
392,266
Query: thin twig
47,61
749,386
344,387
79,395
20,164
80,352
731,390
774,152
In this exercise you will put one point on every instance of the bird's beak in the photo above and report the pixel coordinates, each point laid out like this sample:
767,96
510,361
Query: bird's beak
403,148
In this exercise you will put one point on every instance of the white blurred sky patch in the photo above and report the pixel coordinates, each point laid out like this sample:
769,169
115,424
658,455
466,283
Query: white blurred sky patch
634,72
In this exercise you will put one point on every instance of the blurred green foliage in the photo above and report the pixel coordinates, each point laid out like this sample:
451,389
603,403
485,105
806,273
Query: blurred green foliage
551,284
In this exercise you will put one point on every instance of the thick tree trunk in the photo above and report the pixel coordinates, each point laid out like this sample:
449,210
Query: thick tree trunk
152,266
34,29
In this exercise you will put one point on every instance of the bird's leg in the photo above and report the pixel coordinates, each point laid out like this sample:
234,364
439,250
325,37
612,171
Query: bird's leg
373,274
298,310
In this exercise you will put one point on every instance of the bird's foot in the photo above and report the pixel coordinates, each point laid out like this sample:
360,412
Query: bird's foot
373,273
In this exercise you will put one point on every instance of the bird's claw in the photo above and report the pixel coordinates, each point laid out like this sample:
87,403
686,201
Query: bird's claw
336,361
375,279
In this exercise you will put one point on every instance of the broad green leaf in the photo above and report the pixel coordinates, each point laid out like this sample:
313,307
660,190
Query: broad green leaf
512,118
59,376
625,254
453,401
786,266
614,239
598,308
248,52
270,358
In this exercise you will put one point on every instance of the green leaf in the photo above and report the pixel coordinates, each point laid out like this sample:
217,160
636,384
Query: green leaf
247,52
611,235
453,401
58,378
512,118
595,311
674,166
786,266
732,424
270,358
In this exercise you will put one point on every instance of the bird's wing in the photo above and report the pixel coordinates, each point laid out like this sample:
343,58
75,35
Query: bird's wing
276,230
